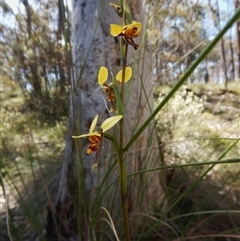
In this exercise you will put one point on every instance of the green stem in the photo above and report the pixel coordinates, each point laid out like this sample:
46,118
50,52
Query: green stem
123,184
124,70
122,169
123,191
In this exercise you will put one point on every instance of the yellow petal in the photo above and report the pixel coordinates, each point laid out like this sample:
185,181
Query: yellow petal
110,122
133,24
115,29
93,125
102,75
86,135
128,75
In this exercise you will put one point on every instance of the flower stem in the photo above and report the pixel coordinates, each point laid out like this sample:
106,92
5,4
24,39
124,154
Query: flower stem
124,70
123,191
122,169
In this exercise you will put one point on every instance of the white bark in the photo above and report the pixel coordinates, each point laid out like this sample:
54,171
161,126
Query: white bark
90,50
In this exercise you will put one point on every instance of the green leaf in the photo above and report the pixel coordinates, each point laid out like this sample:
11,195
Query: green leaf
128,14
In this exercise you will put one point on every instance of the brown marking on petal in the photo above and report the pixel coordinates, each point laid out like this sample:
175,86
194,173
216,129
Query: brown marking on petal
92,148
94,139
121,34
112,98
106,88
131,33
111,95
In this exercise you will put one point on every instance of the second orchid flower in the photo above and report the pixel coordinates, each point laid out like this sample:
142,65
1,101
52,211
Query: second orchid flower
102,79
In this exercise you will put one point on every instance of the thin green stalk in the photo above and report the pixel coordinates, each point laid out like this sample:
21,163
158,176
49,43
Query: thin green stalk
189,71
225,161
123,191
123,184
124,71
121,165
206,212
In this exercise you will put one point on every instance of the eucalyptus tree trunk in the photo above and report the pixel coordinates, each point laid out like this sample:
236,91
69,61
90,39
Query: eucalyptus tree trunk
93,46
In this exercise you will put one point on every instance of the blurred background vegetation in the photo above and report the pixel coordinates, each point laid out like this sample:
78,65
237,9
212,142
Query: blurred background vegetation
200,122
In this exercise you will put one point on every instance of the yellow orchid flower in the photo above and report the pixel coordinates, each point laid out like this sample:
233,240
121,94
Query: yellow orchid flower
103,75
95,137
131,30
102,79
128,32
